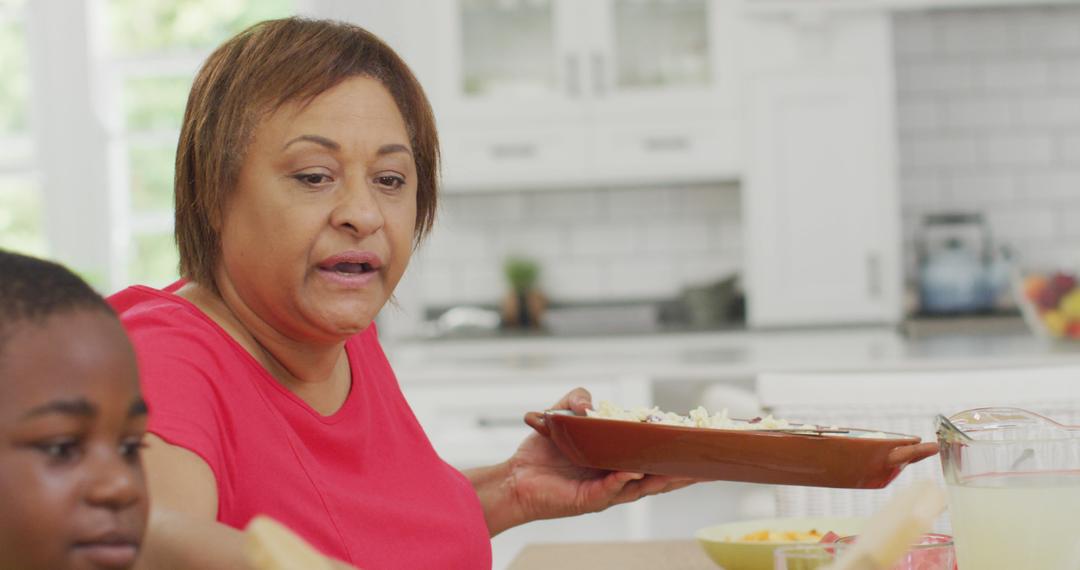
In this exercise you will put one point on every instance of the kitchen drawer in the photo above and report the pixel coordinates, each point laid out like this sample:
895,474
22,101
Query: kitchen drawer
667,152
500,159
482,423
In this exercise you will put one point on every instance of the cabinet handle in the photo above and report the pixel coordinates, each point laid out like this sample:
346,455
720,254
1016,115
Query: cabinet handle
666,144
599,79
513,151
873,275
573,76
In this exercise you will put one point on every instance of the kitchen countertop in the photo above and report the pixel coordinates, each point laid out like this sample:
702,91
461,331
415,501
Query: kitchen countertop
734,355
646,555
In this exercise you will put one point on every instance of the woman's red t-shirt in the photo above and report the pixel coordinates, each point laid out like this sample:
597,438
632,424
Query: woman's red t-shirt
363,485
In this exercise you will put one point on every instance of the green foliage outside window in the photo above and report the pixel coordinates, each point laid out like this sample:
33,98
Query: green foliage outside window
14,79
154,26
155,260
20,216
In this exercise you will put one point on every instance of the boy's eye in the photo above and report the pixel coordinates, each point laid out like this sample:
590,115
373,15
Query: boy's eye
60,450
132,447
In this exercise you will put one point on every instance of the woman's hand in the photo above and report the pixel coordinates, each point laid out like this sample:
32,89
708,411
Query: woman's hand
541,483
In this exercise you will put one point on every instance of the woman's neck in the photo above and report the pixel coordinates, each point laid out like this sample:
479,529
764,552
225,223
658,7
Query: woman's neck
317,373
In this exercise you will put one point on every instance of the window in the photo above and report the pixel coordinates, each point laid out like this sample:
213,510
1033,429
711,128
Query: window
155,48
21,208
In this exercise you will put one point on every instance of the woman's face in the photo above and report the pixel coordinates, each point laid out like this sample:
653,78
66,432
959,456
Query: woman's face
320,227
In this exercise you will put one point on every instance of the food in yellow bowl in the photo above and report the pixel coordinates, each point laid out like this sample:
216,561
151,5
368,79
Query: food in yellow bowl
749,545
768,535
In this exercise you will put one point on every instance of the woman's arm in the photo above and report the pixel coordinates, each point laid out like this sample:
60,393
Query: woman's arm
183,531
538,482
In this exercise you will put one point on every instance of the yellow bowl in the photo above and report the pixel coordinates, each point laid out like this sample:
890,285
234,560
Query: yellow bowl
722,545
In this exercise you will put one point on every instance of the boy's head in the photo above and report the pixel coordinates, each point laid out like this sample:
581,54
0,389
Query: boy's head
72,494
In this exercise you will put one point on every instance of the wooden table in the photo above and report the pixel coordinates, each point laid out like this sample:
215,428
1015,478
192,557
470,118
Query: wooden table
644,555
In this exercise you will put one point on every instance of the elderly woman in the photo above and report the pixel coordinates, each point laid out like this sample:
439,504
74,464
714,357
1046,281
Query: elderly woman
305,176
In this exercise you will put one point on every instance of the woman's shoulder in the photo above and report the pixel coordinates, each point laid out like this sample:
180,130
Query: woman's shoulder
165,327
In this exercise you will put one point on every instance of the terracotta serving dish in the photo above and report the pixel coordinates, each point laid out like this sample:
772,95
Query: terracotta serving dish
841,461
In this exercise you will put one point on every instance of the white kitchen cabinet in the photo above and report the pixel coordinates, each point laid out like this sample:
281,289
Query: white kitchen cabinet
543,93
474,423
820,199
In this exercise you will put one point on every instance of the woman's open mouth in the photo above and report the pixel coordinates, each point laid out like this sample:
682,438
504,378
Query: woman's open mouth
351,269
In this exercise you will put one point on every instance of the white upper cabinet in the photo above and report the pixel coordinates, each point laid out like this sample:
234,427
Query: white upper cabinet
535,93
820,199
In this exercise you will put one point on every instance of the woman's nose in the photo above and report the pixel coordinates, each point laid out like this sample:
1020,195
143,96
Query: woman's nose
358,211
116,482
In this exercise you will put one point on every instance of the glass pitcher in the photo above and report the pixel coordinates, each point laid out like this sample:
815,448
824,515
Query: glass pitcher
1013,480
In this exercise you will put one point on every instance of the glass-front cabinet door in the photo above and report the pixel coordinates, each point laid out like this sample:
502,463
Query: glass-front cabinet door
642,49
659,44
515,56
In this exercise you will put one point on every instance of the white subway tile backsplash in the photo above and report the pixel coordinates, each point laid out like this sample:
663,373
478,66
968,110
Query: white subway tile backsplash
560,206
591,244
1058,185
919,114
1009,76
1049,111
939,151
976,113
1048,30
1069,147
645,276
1018,150
1065,73
642,203
530,241
976,33
937,76
458,241
676,237
604,239
1027,223
983,188
920,38
707,202
704,269
481,208
481,283
578,279
1007,139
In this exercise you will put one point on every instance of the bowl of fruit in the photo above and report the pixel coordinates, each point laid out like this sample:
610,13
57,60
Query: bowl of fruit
1050,303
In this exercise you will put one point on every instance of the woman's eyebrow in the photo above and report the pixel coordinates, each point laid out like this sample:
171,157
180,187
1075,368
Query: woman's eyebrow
75,407
319,140
392,148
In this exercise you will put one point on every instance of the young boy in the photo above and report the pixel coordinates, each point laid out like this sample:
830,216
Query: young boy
71,425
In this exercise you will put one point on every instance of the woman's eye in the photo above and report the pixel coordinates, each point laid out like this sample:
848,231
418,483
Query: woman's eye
393,182
312,178
60,450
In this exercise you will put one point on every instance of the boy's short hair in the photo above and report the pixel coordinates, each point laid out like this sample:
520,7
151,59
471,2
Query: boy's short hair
33,289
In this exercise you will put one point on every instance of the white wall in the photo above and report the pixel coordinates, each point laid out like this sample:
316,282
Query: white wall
989,120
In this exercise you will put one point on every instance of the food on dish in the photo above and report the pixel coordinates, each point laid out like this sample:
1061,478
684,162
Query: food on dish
700,417
767,535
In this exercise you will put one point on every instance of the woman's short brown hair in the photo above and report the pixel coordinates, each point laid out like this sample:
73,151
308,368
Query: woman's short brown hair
257,71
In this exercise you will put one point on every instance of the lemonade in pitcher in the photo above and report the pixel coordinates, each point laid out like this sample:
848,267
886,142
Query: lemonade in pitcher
1013,522
1013,480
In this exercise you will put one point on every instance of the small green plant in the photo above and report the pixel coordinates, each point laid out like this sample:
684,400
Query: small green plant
521,273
